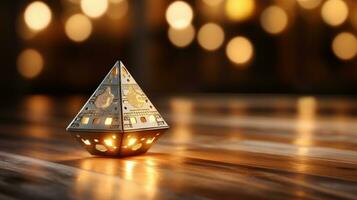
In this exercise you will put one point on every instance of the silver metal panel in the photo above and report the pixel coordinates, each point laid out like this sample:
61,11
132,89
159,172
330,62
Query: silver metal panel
102,112
138,111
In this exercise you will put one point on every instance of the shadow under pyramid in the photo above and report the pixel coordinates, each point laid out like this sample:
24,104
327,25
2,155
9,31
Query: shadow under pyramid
118,119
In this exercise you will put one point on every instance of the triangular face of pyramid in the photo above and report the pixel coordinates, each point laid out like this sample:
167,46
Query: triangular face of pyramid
102,111
118,104
137,110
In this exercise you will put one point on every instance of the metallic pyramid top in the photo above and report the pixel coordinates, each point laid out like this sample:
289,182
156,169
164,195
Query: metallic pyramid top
118,104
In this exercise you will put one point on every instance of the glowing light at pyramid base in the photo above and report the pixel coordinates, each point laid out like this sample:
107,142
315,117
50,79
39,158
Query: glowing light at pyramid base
124,144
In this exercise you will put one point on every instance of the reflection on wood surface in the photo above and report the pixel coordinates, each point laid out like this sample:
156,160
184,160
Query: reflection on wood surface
254,147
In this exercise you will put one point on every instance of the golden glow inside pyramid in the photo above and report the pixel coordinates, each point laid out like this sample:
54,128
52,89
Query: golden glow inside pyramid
118,119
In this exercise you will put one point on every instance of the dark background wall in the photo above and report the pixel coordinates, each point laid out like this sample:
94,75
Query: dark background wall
298,61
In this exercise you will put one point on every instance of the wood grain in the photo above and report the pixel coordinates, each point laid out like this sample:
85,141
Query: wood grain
218,147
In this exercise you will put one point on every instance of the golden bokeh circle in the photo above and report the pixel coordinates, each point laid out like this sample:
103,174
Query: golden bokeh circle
210,36
78,27
344,46
179,14
239,10
37,15
94,8
274,20
30,63
334,12
240,50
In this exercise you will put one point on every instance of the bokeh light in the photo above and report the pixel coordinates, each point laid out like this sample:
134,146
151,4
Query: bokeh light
30,63
344,46
239,10
94,8
179,14
78,27
334,12
213,2
274,19
181,37
239,50
118,9
37,15
309,4
210,36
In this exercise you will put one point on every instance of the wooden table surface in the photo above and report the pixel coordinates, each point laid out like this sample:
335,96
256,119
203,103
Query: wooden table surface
218,147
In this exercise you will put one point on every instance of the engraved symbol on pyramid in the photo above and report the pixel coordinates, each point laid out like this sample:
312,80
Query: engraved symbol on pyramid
118,119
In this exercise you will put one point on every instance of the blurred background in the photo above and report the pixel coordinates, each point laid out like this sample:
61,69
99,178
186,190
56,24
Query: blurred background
180,47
